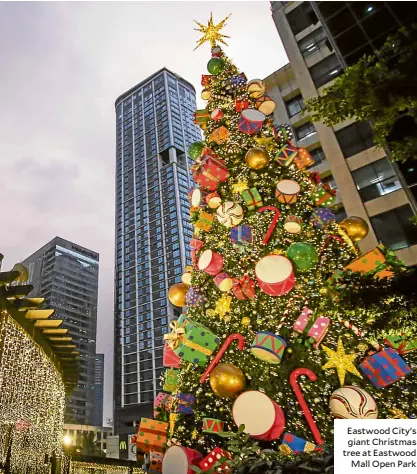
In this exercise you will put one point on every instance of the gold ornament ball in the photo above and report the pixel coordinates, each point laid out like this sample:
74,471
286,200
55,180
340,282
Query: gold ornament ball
205,94
24,273
176,294
227,380
355,227
257,158
324,291
246,321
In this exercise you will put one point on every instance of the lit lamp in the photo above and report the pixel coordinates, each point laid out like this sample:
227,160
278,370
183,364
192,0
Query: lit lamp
67,440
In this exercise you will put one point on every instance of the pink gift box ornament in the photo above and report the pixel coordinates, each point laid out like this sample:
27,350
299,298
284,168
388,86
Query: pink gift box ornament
315,329
161,402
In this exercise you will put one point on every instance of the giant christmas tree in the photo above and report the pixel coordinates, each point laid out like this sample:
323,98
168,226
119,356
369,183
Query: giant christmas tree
276,339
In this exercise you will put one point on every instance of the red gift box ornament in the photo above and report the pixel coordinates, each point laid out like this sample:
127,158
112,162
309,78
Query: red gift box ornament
196,244
210,171
243,288
206,79
215,456
170,359
241,104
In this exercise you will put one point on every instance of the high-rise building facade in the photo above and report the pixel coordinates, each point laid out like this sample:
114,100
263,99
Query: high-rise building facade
66,275
98,390
154,127
369,185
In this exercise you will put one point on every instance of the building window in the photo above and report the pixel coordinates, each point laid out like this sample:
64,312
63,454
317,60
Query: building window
409,171
394,229
318,156
314,42
301,18
355,138
326,70
295,105
304,131
376,179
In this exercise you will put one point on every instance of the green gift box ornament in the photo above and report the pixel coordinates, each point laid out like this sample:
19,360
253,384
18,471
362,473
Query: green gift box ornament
252,198
191,341
201,117
171,380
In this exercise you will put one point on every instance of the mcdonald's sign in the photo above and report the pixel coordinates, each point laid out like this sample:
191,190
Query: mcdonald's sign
123,445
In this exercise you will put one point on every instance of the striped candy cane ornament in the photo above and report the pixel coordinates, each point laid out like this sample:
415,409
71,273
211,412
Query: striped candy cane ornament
288,308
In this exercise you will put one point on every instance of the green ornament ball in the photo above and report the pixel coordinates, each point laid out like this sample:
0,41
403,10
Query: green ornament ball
303,256
215,66
195,150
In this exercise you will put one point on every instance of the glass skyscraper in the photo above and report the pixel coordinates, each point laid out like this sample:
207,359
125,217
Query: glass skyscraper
154,127
99,390
66,275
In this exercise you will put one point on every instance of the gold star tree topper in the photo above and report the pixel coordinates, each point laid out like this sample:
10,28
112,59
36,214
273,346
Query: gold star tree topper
211,32
341,361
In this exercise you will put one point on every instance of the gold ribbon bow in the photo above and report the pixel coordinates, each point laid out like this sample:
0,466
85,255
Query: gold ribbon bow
176,335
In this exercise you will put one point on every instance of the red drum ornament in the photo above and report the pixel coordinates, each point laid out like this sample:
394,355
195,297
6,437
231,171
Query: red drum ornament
251,121
178,460
216,115
262,417
223,282
275,275
287,191
216,52
265,105
210,262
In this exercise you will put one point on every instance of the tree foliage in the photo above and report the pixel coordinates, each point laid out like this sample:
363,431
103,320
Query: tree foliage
380,88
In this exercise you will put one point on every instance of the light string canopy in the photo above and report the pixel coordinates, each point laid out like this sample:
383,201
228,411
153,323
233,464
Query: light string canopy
38,366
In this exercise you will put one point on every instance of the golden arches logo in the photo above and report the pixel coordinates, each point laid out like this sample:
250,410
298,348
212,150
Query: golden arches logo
122,445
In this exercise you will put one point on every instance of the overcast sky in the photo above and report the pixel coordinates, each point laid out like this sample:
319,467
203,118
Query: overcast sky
62,65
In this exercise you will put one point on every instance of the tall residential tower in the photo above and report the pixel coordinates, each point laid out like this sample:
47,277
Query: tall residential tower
66,275
369,185
154,127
